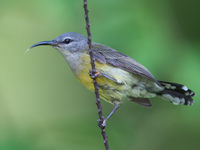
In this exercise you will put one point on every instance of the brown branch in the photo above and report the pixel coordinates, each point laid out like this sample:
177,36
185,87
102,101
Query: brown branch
94,77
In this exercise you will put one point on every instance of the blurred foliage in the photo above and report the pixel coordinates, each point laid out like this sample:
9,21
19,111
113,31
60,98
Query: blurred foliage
43,106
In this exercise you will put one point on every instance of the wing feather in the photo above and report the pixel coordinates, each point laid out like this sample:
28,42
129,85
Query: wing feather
110,56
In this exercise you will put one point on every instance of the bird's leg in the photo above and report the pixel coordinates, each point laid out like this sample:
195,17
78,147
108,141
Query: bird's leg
103,124
98,74
94,74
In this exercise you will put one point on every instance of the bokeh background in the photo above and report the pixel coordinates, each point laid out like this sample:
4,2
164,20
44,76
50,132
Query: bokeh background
43,106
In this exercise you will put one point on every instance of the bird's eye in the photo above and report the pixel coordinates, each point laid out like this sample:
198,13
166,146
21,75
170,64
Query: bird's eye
67,41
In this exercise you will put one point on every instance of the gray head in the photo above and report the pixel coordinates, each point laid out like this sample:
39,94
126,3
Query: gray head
67,42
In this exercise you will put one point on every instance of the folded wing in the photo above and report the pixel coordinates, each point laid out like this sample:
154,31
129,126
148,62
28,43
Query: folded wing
110,56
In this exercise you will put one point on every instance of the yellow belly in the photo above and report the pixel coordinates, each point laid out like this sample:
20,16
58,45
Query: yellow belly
108,89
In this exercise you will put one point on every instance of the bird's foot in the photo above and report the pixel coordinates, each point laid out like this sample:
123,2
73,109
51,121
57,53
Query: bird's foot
94,74
102,123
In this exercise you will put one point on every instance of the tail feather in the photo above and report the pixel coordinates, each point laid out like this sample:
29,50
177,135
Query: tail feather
176,93
142,101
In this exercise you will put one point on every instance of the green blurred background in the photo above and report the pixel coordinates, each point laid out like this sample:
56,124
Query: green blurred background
43,106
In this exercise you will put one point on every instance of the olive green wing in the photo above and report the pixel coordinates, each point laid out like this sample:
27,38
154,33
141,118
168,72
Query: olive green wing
110,56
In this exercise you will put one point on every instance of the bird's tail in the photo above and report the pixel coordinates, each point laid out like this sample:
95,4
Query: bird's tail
176,93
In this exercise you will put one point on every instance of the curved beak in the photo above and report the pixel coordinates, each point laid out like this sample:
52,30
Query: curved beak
51,43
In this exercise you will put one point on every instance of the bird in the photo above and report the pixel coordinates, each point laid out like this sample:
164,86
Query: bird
120,78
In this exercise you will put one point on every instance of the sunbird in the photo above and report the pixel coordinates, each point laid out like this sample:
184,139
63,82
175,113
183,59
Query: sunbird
120,77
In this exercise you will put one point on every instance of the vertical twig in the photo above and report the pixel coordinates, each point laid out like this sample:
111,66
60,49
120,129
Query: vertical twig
96,87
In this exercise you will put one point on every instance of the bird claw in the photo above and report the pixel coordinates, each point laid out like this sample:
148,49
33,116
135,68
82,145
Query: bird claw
102,123
94,74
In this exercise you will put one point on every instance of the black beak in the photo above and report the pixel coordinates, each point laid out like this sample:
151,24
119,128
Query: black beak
51,43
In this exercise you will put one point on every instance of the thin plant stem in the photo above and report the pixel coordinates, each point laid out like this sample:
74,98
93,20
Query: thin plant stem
93,72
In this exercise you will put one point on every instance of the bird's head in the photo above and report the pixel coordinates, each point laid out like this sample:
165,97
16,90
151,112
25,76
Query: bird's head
70,42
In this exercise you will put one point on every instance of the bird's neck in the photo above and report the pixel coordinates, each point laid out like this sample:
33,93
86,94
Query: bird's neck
76,61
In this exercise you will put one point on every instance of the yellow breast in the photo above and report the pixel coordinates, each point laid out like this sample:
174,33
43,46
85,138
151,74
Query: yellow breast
83,74
108,89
